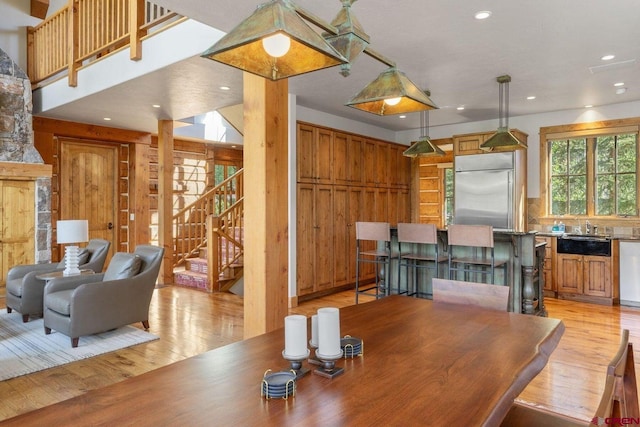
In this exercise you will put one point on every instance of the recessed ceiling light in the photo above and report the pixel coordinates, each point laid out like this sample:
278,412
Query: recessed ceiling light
588,106
608,57
225,88
460,108
483,14
156,105
107,118
402,117
618,84
531,97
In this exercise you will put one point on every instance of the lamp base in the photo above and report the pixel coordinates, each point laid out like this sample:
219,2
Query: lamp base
71,261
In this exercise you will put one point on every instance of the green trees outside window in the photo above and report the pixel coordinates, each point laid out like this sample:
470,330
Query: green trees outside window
603,169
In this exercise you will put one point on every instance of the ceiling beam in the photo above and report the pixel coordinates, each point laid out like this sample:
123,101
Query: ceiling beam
39,8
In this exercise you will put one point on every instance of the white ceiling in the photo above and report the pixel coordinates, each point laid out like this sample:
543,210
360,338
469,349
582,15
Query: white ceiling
549,48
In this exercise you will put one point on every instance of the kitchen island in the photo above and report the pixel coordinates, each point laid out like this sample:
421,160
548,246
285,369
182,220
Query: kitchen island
524,258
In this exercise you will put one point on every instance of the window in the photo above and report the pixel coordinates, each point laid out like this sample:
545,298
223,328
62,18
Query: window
594,175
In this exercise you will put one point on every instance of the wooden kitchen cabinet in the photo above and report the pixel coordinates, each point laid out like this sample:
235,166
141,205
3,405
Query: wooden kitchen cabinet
549,282
347,159
315,154
470,143
343,178
587,278
315,247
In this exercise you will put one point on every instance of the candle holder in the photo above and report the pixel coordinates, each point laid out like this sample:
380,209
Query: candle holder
314,359
328,367
296,364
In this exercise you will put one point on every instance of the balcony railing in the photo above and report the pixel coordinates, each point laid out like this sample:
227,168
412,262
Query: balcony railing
87,30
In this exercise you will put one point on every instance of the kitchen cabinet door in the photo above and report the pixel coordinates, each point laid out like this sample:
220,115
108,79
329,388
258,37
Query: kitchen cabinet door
597,277
570,273
315,245
314,154
342,257
347,159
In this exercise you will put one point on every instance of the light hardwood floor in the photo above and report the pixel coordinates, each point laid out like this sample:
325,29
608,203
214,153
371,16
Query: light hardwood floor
190,322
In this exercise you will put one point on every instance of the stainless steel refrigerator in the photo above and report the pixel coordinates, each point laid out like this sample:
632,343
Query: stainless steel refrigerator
489,189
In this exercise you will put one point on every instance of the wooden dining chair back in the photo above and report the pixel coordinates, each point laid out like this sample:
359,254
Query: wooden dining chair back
495,297
619,399
369,235
418,251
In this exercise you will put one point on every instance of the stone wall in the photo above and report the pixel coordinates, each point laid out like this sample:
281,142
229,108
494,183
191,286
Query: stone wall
16,143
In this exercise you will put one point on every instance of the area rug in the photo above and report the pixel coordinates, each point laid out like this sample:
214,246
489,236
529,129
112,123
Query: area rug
24,347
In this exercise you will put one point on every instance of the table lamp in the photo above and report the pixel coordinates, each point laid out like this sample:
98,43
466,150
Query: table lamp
72,231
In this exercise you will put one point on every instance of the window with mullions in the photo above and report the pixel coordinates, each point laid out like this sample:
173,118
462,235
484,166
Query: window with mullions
601,169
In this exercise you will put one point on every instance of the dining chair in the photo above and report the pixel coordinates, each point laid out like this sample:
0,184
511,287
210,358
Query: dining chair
471,251
495,297
619,398
369,236
423,255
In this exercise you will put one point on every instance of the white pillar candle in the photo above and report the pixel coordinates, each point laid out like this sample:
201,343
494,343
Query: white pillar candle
329,331
295,335
314,330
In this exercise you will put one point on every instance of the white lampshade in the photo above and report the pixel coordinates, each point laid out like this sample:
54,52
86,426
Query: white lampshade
73,231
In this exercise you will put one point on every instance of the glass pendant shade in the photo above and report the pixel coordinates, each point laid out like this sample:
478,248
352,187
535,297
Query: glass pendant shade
243,46
391,84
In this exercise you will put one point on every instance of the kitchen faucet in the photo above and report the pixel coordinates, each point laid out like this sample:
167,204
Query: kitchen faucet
587,227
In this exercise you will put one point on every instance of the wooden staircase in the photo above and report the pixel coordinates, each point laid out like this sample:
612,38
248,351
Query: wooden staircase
208,245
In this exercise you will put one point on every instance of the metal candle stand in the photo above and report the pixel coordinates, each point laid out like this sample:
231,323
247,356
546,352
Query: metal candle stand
328,367
296,364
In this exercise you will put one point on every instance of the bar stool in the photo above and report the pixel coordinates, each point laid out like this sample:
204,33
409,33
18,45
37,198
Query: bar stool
368,234
478,239
424,255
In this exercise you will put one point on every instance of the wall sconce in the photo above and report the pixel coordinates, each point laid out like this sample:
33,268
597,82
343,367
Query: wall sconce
72,231
276,42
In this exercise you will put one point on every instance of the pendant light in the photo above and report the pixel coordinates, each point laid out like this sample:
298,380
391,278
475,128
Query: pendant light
275,42
503,140
423,147
391,93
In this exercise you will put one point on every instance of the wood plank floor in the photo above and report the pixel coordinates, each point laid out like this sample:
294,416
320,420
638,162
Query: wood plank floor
190,322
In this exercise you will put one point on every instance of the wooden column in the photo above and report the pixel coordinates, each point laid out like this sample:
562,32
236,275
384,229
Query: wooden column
265,204
139,194
165,197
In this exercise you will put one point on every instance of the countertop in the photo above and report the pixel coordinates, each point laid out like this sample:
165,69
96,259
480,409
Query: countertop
621,237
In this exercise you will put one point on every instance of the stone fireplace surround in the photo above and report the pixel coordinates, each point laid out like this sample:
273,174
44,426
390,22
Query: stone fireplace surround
16,146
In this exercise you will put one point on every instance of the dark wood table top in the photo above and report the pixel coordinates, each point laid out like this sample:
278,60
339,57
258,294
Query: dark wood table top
424,363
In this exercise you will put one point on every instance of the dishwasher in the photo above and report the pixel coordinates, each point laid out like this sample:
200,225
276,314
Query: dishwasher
630,273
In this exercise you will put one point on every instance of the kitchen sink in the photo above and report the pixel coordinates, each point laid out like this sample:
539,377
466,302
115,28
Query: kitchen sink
584,244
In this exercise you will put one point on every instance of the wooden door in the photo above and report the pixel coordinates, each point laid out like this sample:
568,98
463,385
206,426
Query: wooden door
17,224
353,215
340,158
88,188
324,156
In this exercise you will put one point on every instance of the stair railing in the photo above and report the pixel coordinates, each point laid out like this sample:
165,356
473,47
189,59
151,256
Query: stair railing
86,30
225,247
225,200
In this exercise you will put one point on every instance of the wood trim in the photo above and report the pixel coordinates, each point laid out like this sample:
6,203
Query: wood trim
136,21
24,171
87,131
165,197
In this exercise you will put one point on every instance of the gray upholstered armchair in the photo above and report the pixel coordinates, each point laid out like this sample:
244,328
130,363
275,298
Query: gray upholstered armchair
24,290
85,305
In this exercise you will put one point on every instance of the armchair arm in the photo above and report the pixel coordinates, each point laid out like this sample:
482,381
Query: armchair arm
21,270
71,282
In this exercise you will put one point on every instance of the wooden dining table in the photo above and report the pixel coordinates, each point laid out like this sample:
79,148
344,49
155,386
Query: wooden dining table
423,363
